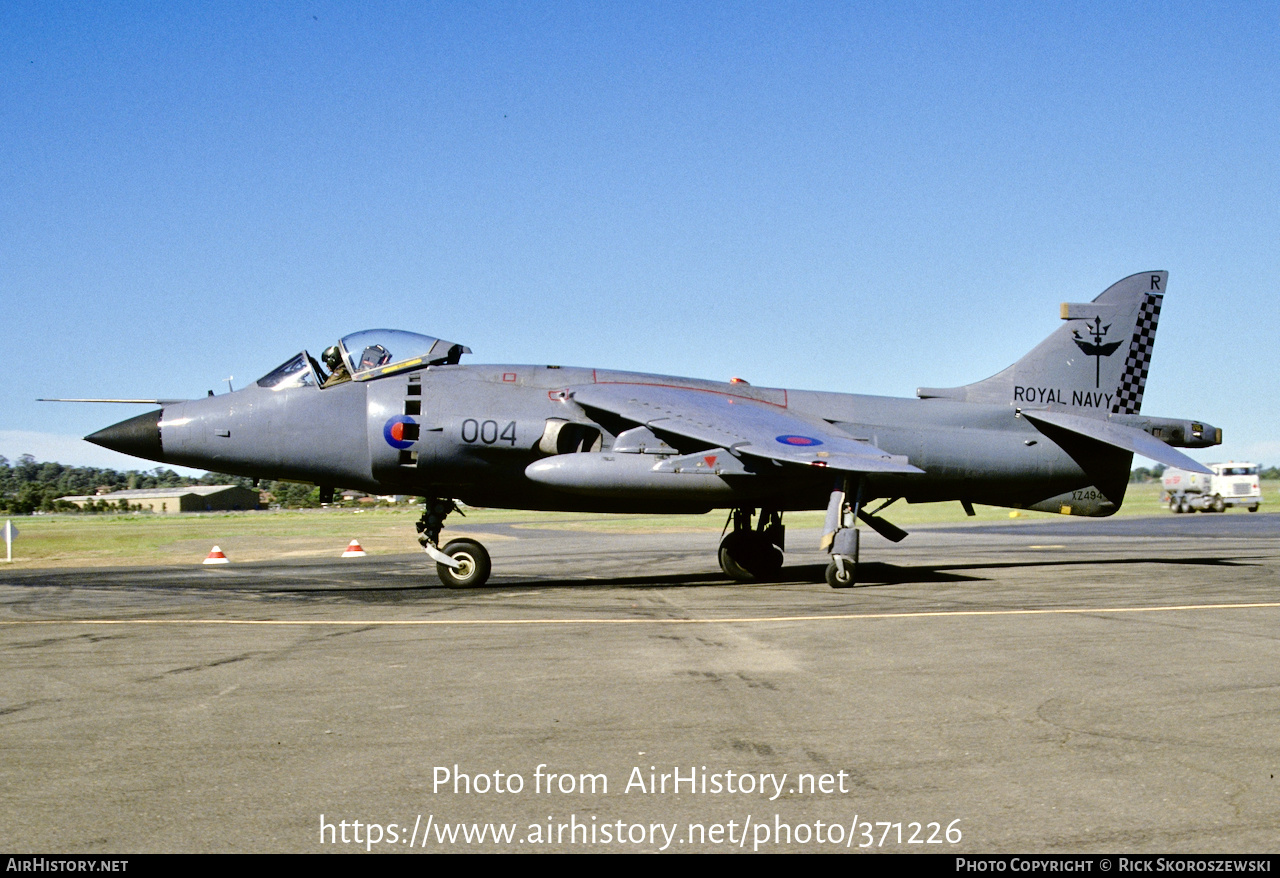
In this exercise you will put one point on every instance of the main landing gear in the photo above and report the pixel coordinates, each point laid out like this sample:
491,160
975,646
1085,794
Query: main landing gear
747,554
462,563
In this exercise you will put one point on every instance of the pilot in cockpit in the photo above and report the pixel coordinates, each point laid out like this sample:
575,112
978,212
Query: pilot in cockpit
337,368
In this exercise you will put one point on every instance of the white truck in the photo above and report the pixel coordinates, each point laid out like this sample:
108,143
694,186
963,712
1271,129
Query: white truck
1232,484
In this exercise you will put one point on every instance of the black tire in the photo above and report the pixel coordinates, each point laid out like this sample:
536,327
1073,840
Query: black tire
746,556
836,579
475,568
1253,508
1218,505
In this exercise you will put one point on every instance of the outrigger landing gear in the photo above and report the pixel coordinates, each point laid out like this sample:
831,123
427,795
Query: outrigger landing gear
462,563
840,535
747,554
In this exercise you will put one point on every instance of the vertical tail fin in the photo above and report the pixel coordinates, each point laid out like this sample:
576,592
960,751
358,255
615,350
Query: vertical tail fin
1094,364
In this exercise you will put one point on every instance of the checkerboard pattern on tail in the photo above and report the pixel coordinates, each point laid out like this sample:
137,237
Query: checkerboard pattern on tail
1129,394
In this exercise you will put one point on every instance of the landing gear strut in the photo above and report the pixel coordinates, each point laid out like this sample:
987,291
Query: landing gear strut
462,563
840,535
747,554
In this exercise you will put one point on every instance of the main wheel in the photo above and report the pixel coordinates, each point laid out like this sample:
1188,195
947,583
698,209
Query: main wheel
747,556
1218,505
1174,506
837,578
473,561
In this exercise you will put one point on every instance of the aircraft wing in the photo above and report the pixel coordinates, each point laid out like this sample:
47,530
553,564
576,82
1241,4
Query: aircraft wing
740,424
1119,436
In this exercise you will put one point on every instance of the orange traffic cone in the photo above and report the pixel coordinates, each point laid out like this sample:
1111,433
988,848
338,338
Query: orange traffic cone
354,550
216,557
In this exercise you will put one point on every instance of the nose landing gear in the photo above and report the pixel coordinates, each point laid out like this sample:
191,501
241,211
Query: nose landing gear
473,565
462,563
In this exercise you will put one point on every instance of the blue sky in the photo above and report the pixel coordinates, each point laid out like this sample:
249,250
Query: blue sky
862,197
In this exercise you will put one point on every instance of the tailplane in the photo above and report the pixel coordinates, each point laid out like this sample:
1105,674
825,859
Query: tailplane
1095,364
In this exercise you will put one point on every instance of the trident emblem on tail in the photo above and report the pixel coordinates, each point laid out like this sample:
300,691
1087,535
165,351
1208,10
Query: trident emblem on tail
1096,349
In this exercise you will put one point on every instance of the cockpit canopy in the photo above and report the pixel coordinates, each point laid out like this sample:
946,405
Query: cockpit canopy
366,355
377,352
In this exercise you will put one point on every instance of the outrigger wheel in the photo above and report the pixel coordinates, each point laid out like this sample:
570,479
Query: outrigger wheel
462,563
842,575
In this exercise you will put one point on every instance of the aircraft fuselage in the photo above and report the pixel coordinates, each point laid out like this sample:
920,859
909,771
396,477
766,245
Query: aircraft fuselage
473,432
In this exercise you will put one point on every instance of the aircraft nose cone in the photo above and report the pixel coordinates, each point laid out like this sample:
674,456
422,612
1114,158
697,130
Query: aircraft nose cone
138,436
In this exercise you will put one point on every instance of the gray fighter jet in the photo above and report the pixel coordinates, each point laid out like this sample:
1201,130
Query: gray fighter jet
395,412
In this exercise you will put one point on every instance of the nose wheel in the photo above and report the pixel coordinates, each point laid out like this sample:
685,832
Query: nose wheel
473,565
462,563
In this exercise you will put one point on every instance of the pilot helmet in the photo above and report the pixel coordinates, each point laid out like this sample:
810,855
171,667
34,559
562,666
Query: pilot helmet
332,357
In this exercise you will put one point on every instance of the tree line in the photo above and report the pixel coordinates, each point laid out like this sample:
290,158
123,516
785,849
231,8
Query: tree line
28,486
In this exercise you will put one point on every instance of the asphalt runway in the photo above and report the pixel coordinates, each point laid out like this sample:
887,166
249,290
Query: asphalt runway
1066,686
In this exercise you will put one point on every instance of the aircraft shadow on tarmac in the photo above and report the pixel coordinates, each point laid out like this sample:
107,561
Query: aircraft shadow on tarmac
870,574
389,584
807,574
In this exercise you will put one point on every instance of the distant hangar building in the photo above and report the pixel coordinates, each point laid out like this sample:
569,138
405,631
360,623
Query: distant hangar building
194,498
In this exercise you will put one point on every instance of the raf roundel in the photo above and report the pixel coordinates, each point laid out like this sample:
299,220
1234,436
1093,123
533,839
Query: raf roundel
393,431
802,441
